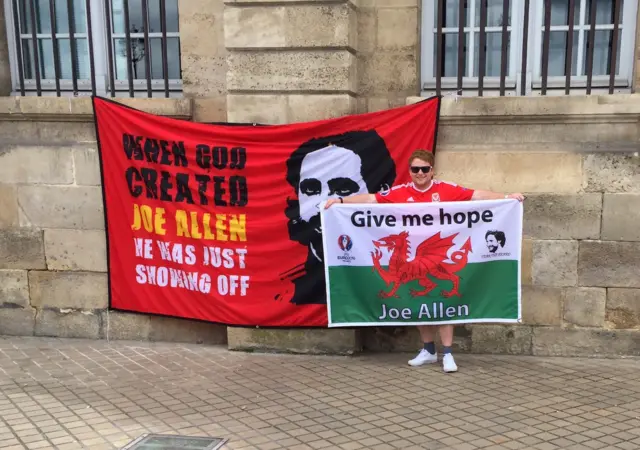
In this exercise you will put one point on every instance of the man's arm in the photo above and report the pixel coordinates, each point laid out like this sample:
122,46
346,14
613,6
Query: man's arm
360,198
489,195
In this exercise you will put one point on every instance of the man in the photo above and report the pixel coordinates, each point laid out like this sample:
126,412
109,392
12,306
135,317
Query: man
493,237
424,188
355,162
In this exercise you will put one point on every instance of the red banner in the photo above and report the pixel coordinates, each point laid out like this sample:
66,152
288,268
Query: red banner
221,222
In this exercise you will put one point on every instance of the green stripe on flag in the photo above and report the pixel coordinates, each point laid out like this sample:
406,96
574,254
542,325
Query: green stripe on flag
489,292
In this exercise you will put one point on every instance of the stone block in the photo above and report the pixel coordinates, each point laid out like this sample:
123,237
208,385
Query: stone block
555,263
384,72
620,217
290,26
367,25
63,290
17,321
36,164
542,305
21,249
14,289
68,324
390,339
585,342
526,261
313,341
307,108
292,2
80,250
169,329
212,109
407,339
87,166
9,216
511,171
196,20
388,3
292,71
46,133
204,76
125,326
501,339
397,28
61,207
257,108
550,216
609,264
623,308
377,104
612,172
585,307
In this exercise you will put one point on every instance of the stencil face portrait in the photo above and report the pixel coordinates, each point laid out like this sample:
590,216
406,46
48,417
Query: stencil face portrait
355,162
330,172
495,239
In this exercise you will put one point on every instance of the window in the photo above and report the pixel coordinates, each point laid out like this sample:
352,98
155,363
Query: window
47,54
515,27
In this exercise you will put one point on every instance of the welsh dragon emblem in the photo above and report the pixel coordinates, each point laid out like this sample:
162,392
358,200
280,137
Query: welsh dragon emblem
430,259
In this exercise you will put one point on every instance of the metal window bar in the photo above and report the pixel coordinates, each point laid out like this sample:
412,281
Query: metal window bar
73,43
585,28
590,45
504,55
461,41
613,56
440,47
482,46
525,42
147,47
40,69
110,66
54,43
569,51
34,41
165,58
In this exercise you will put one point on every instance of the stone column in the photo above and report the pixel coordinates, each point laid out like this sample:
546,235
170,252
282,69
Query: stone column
204,58
388,53
290,62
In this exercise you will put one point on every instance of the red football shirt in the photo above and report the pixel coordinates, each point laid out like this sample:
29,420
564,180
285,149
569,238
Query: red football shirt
438,191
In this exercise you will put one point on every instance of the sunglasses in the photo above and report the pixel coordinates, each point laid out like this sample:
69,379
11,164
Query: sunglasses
424,169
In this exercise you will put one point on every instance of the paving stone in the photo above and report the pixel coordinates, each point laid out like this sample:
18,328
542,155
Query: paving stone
368,401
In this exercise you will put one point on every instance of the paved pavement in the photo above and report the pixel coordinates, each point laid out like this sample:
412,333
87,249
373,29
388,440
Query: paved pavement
73,394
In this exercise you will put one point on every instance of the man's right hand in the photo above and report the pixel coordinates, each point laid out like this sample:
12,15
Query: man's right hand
330,202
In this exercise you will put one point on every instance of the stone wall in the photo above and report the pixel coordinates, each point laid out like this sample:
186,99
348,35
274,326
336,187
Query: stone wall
53,279
388,53
290,61
204,57
576,159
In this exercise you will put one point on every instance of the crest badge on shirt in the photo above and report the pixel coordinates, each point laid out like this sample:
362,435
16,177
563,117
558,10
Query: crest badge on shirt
435,197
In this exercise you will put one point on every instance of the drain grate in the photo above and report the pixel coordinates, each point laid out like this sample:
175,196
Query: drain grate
173,442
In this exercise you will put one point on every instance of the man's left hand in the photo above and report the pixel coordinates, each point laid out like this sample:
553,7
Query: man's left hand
517,196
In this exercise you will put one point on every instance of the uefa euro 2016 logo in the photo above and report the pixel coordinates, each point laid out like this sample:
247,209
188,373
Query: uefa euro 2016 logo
345,243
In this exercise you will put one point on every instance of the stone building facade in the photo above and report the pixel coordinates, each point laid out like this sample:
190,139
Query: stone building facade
575,156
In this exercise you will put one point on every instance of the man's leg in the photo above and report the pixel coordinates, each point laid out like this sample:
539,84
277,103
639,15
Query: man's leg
428,353
446,336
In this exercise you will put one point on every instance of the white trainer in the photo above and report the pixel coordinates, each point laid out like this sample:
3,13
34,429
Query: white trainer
448,363
424,357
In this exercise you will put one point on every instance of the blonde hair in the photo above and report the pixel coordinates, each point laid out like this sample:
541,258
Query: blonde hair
423,155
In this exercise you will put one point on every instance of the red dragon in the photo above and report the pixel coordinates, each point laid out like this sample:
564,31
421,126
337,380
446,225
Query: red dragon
430,259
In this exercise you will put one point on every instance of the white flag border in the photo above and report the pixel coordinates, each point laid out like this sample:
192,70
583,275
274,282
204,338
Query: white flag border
332,324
